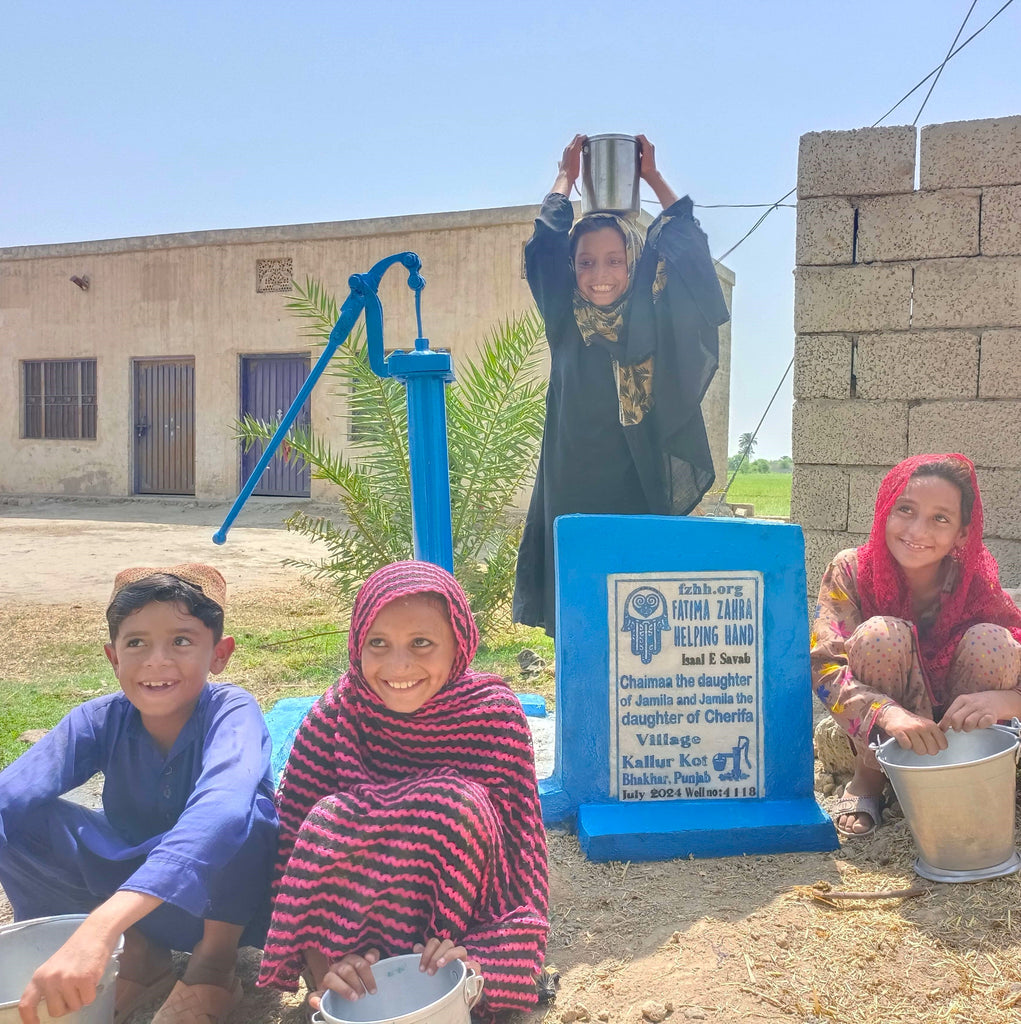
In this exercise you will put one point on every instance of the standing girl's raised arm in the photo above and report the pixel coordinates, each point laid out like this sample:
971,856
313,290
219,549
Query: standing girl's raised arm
650,173
570,166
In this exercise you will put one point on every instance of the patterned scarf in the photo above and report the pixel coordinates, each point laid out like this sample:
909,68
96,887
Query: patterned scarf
976,597
472,734
634,383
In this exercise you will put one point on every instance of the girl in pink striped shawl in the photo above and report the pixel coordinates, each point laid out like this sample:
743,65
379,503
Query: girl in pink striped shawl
409,810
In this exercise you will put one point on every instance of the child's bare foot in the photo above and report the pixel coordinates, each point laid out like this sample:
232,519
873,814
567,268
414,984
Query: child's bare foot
211,969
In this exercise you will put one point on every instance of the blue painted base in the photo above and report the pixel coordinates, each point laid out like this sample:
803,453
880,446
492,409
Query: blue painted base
703,828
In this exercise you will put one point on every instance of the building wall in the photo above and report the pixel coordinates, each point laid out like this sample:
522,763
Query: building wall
196,295
908,322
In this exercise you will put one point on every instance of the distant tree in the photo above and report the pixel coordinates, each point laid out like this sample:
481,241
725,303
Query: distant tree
786,464
734,461
760,466
746,445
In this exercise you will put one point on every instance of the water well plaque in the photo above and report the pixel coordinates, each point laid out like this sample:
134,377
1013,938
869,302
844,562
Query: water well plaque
685,685
684,718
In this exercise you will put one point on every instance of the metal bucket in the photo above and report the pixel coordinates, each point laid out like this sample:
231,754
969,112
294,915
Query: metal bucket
609,175
406,995
959,803
26,946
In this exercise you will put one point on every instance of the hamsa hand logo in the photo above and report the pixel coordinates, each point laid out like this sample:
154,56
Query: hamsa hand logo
645,615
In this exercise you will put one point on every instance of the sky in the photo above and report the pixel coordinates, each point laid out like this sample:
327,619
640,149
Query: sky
144,117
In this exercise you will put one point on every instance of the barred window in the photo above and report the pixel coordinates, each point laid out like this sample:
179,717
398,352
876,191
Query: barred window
59,398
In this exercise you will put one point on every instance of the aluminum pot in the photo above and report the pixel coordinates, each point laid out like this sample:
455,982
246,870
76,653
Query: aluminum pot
27,945
959,803
609,175
405,995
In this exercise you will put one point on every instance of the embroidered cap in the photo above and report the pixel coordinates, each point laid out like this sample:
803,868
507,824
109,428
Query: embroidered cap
205,577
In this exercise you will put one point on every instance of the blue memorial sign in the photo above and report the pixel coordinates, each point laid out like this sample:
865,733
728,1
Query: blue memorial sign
683,695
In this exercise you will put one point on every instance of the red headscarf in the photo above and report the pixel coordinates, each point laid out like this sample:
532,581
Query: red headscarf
977,596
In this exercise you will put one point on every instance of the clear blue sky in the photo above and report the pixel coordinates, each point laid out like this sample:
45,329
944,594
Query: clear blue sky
121,118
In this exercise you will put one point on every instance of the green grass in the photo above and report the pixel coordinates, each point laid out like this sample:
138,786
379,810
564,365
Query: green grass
770,493
291,646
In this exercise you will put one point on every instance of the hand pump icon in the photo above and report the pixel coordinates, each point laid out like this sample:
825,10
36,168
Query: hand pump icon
424,373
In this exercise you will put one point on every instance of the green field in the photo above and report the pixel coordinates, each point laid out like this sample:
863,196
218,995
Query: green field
770,493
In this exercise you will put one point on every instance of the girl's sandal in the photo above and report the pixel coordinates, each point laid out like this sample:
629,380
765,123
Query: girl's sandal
851,803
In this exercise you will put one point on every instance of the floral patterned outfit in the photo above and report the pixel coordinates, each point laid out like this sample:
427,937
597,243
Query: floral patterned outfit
869,649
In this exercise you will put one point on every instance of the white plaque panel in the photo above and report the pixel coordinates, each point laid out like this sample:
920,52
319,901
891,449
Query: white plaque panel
685,682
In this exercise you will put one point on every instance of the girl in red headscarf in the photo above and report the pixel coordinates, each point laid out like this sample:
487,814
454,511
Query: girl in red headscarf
409,809
913,634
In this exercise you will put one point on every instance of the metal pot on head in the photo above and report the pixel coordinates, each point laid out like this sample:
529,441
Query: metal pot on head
610,176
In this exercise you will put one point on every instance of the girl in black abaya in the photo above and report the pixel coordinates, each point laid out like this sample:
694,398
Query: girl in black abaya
632,326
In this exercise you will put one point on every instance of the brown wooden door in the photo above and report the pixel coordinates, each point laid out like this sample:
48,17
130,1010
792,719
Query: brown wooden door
165,426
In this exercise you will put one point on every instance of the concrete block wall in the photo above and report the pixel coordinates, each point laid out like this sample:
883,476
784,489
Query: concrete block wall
908,322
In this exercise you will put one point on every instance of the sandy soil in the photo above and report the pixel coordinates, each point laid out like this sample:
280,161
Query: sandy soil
737,939
60,551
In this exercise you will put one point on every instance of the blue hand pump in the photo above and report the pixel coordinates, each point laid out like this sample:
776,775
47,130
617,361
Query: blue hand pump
424,373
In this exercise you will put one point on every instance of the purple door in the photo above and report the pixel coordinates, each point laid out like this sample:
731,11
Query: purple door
268,386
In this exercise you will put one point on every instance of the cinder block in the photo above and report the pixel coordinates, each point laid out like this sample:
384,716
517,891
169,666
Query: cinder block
1000,367
1008,555
819,497
986,431
822,366
968,153
820,547
825,231
832,299
863,487
922,225
1001,502
864,161
852,433
978,292
927,364
1001,221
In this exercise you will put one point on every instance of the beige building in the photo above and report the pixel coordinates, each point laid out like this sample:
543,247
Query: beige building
908,320
126,362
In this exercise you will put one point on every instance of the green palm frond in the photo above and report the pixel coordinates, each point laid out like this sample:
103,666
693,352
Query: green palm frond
494,423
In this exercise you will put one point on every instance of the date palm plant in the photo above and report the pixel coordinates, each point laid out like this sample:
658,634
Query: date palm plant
494,427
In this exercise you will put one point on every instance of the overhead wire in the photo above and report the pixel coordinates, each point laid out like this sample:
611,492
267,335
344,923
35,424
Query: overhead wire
937,71
944,64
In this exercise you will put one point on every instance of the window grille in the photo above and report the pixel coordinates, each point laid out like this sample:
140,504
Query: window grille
59,398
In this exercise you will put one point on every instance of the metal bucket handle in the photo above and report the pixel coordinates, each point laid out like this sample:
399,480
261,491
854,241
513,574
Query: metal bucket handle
1012,728
473,985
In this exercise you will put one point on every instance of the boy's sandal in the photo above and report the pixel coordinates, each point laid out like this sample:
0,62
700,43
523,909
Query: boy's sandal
199,1004
851,803
132,995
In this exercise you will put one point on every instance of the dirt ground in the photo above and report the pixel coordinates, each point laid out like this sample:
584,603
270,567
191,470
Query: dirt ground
734,939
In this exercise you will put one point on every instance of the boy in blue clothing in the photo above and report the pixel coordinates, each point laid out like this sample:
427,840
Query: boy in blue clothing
181,855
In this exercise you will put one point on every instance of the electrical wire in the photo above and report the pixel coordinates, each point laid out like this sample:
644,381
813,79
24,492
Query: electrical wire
944,64
755,433
954,51
937,71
